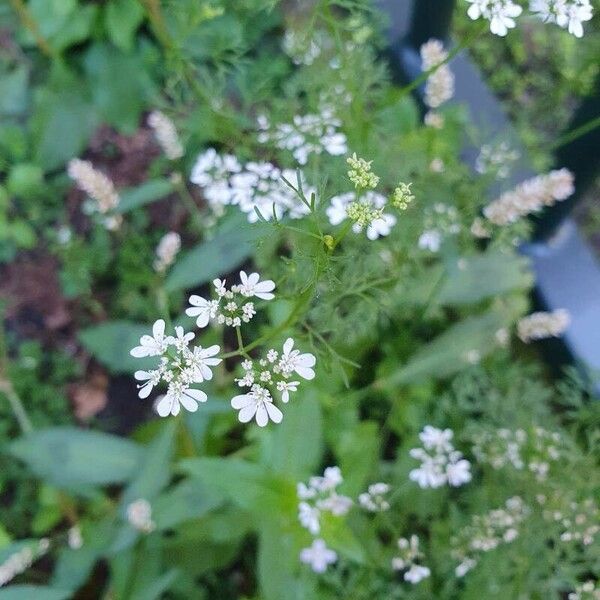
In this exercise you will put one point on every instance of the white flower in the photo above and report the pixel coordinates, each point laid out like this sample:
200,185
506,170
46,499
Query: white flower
202,309
309,517
166,251
285,387
373,499
94,183
256,404
179,394
182,339
292,361
430,240
540,325
151,379
336,504
430,474
200,361
568,14
153,345
459,472
416,573
436,439
251,286
166,134
139,515
318,556
500,14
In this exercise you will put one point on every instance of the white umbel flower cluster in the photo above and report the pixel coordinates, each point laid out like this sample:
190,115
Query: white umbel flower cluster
487,532
179,367
166,251
166,134
410,560
374,499
270,376
496,160
586,591
534,451
98,187
440,83
305,135
139,515
578,522
232,306
319,496
440,221
540,325
441,464
337,212
531,196
500,13
20,561
254,186
568,14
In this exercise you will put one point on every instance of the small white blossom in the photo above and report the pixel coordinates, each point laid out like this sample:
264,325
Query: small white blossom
318,556
153,345
252,286
139,515
374,499
568,14
409,560
166,251
257,404
292,361
439,87
166,134
500,13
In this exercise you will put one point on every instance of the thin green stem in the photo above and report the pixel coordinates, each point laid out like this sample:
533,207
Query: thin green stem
158,23
188,201
241,349
31,24
162,299
576,133
16,405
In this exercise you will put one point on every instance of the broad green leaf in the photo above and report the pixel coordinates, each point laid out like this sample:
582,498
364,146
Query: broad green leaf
143,194
357,453
248,485
121,19
482,276
154,470
341,538
69,457
470,339
31,592
111,342
232,244
76,28
189,499
294,448
120,83
62,122
280,574
13,91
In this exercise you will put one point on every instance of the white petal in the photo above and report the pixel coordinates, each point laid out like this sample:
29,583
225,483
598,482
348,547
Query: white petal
197,395
243,278
305,372
306,360
211,351
140,351
262,416
241,401
253,279
247,413
145,390
275,414
288,345
158,329
188,402
163,405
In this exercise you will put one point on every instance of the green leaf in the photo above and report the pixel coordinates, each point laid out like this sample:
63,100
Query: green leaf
13,91
450,351
154,470
111,342
121,19
482,276
143,194
121,85
62,122
248,485
293,448
231,245
70,457
189,499
29,592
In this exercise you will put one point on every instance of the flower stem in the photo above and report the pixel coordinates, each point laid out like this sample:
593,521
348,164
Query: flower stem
18,409
188,201
30,23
